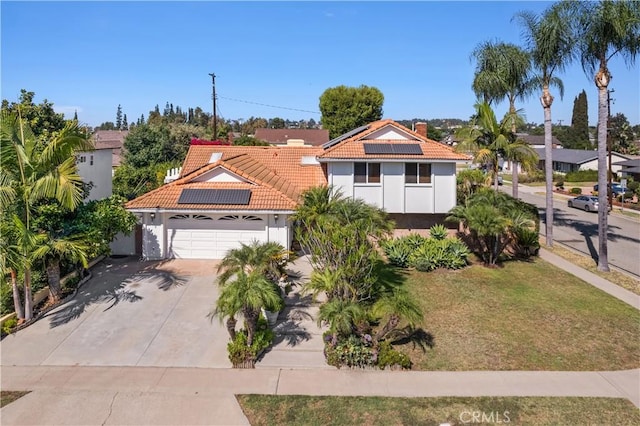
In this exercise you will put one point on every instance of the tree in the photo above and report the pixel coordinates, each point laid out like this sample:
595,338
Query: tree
622,135
249,141
119,118
107,125
268,259
489,140
30,173
41,118
605,29
550,42
276,123
342,317
125,123
503,70
346,108
580,123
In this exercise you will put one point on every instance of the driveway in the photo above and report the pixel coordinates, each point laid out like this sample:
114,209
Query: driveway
130,313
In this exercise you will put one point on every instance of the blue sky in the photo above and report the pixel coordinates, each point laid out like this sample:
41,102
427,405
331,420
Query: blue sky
92,56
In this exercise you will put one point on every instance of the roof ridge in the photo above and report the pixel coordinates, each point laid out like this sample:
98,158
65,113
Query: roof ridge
263,182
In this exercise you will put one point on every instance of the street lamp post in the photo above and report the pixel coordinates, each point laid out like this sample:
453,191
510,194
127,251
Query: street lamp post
609,148
215,119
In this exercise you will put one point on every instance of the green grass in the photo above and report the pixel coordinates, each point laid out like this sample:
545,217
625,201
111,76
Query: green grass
7,397
521,316
333,410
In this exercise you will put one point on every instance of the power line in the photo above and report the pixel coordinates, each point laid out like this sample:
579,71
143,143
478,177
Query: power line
267,105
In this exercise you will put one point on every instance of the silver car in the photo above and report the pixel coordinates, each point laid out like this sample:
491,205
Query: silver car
588,203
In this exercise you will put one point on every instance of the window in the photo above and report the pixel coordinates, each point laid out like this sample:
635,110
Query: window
366,172
91,161
417,173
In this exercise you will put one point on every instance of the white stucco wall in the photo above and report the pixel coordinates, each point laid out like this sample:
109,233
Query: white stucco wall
593,165
341,177
96,167
153,237
392,179
444,184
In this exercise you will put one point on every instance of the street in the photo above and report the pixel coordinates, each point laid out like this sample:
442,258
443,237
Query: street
579,230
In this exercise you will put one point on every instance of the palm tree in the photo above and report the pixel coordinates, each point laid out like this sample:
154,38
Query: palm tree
342,317
605,29
394,307
10,262
247,294
503,70
267,258
31,171
488,140
54,250
550,42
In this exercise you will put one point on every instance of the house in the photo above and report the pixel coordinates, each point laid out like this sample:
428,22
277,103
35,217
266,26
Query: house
629,168
571,160
95,167
278,137
537,141
113,140
227,195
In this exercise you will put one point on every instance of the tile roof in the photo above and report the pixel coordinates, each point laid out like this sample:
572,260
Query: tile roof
572,156
276,177
353,146
314,137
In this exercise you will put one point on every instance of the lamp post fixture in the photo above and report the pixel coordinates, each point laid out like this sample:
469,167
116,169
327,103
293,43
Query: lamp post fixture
215,119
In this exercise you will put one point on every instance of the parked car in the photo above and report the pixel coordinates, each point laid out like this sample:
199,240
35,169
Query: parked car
500,180
616,188
588,203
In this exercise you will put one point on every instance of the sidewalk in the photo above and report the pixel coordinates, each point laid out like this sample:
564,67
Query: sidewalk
138,395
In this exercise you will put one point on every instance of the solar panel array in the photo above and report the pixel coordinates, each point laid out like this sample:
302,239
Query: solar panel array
388,148
215,196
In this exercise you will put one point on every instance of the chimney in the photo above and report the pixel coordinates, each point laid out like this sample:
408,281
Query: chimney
421,129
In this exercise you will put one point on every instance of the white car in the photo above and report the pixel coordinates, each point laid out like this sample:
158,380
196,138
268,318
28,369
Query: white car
588,203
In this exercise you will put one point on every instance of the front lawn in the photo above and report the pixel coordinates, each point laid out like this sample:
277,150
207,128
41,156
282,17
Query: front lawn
521,316
7,397
334,410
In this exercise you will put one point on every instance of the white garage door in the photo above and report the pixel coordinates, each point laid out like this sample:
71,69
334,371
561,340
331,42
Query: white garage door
210,237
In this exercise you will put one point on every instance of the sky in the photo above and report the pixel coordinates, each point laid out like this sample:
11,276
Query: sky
91,57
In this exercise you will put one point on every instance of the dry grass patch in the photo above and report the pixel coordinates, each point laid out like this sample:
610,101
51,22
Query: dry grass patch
623,280
7,397
333,410
521,316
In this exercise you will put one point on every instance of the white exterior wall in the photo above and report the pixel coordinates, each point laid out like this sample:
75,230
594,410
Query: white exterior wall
279,231
153,247
341,177
593,165
96,166
393,194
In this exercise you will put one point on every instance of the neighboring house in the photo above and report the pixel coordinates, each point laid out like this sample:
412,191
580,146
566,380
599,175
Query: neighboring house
95,167
111,139
629,168
571,160
295,137
227,195
537,141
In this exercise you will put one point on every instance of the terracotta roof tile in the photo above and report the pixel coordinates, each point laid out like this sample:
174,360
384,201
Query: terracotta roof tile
353,147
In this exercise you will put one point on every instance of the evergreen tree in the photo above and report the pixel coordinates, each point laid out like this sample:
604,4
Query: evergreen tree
75,115
125,123
119,117
580,123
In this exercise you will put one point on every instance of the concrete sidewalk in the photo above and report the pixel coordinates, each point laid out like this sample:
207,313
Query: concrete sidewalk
141,396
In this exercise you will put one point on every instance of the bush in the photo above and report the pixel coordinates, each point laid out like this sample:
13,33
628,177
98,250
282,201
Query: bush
389,357
9,325
560,185
576,191
6,299
352,352
527,242
397,252
438,232
242,355
582,176
426,254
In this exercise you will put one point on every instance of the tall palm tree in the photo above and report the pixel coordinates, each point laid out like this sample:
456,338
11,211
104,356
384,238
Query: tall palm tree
549,41
31,171
605,29
503,70
54,250
489,140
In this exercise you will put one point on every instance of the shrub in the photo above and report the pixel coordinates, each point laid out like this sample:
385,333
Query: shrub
6,298
9,325
389,357
582,176
559,184
450,253
438,232
353,352
242,355
527,242
576,191
397,252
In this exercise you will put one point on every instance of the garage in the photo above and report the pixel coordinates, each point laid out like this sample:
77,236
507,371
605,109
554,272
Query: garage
201,236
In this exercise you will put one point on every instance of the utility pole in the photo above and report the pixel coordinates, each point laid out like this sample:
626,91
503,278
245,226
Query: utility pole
609,143
215,119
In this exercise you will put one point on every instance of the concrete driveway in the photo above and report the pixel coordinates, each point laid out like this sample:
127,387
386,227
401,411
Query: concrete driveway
130,313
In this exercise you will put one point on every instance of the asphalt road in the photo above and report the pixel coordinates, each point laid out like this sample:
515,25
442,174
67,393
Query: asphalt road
579,230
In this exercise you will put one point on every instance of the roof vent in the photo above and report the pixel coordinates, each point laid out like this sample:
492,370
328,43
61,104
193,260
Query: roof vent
295,142
215,156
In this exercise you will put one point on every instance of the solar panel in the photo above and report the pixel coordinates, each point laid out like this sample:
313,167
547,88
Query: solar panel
378,148
387,148
215,196
407,149
340,138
